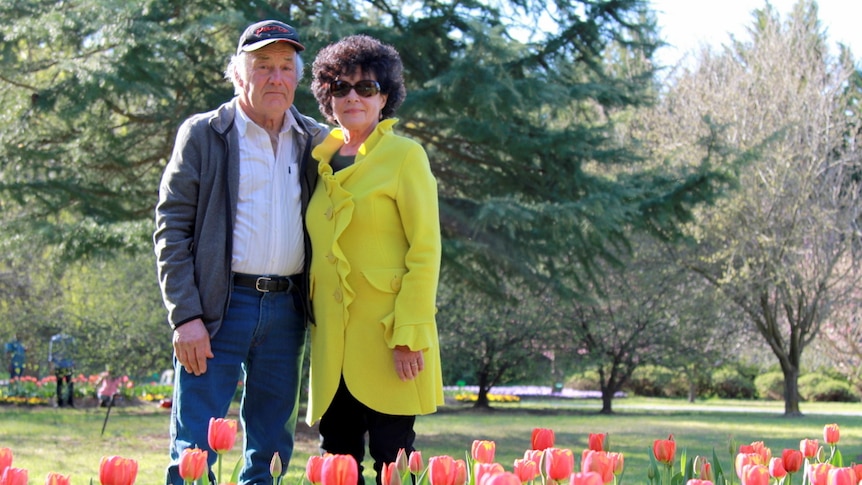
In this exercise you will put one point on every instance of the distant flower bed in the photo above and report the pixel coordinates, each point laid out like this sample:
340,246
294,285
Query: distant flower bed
472,397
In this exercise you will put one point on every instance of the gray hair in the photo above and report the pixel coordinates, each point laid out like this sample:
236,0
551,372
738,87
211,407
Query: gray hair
243,61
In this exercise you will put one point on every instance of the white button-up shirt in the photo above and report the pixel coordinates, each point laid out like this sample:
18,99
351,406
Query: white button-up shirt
267,234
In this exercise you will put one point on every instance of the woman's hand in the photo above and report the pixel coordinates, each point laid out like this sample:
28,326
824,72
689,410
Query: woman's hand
408,363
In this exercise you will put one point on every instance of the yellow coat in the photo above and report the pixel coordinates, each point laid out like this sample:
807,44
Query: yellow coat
375,235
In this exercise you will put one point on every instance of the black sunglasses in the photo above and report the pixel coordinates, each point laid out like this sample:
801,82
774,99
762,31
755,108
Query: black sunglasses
365,88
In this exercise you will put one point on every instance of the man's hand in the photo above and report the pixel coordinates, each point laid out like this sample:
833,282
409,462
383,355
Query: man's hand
408,363
192,346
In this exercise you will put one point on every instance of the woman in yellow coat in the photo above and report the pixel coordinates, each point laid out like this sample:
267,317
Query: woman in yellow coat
375,233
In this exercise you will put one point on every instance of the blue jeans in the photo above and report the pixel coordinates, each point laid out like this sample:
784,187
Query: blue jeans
262,343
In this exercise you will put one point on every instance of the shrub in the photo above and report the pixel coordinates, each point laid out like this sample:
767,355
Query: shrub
820,388
770,385
657,381
729,383
584,381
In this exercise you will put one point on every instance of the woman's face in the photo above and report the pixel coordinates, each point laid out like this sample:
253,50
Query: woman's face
354,112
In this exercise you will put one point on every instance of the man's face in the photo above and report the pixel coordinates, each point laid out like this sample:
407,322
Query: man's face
269,81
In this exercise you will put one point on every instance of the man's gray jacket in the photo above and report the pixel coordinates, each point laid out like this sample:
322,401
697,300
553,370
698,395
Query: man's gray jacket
196,211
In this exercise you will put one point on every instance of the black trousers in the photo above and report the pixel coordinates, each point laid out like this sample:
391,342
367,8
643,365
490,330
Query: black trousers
345,423
64,375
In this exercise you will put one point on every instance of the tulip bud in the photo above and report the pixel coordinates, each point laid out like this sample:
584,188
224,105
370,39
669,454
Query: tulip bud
831,434
275,465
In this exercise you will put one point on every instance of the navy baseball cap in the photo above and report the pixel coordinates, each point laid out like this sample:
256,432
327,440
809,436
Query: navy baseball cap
265,33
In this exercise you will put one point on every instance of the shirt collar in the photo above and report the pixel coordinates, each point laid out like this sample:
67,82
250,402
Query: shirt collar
243,121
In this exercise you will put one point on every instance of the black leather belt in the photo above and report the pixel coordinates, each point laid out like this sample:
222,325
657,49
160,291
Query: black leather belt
268,283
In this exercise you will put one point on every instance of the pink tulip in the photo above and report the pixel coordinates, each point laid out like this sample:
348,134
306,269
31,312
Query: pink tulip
696,481
221,434
599,462
481,470
559,463
809,448
193,464
415,463
792,460
502,478
5,458
841,476
776,468
755,475
441,470
818,473
314,469
13,476
339,470
483,451
389,474
585,478
527,470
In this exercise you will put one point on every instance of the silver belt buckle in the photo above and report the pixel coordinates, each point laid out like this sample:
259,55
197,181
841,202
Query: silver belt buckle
258,281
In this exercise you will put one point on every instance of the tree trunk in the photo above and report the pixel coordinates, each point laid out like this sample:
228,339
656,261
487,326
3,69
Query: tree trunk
607,398
482,394
791,391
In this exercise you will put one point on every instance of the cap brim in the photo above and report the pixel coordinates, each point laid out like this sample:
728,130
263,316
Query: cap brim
262,43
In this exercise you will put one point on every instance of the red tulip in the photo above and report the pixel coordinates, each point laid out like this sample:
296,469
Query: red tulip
776,468
483,451
441,470
841,476
415,463
543,438
597,442
221,434
831,434
755,475
57,479
792,460
818,473
585,478
116,470
389,474
559,463
502,478
5,458
314,469
809,448
339,470
13,476
193,464
664,450
527,470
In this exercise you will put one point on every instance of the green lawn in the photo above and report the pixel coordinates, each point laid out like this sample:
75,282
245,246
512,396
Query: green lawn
68,441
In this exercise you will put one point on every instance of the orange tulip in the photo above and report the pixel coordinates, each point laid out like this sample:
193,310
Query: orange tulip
193,464
792,460
13,476
542,439
597,442
585,478
664,450
415,463
755,475
339,470
503,478
442,470
57,479
559,463
599,462
841,476
389,474
617,461
527,470
831,434
221,434
483,451
818,473
809,448
5,458
116,470
460,472
314,469
776,468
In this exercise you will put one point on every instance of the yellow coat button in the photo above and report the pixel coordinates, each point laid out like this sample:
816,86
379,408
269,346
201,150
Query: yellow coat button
395,284
329,213
337,295
330,257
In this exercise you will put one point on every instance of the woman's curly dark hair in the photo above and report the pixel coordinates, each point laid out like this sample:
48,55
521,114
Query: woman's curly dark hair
358,53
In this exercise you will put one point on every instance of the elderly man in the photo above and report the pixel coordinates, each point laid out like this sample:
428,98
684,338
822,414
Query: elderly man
231,252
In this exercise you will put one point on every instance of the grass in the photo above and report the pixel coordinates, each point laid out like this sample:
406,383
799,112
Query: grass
68,441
